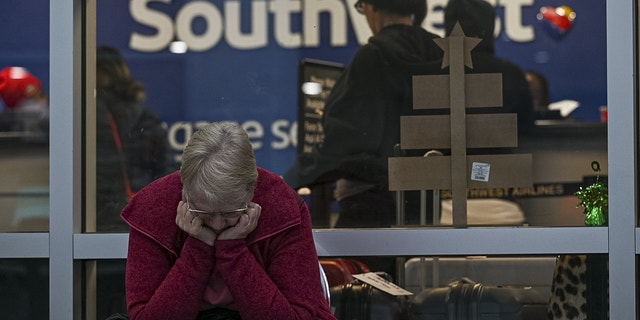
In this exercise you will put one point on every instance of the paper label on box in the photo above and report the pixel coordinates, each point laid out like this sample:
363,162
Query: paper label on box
480,171
381,284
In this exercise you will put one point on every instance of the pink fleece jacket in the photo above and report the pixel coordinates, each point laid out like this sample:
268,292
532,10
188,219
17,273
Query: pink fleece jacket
271,274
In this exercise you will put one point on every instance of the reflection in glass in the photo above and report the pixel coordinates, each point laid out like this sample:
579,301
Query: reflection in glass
131,140
24,289
24,187
24,116
110,295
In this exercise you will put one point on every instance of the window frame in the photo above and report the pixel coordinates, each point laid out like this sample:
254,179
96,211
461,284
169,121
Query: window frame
67,246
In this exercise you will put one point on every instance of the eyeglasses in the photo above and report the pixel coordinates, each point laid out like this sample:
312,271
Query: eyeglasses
359,5
225,214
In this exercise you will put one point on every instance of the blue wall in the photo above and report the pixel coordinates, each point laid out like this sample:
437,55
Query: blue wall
258,86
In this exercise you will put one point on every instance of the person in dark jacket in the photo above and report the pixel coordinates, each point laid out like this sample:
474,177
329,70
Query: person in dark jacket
477,19
131,146
361,119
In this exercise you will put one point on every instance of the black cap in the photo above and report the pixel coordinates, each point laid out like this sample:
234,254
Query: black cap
476,17
418,8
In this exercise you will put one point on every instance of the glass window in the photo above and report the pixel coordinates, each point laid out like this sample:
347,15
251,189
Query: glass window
235,62
24,116
24,153
164,69
110,288
201,61
24,288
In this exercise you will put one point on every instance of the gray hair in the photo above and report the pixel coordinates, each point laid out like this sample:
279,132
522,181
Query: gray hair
218,162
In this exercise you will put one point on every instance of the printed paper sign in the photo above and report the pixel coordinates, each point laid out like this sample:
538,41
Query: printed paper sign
480,171
382,284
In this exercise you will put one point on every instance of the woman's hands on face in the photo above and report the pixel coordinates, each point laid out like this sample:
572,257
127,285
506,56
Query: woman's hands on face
193,225
246,224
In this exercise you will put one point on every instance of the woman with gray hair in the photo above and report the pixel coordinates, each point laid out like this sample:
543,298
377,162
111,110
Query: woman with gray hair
221,239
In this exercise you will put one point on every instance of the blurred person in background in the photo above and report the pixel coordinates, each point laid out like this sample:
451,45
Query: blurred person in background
539,90
132,147
542,105
477,19
361,120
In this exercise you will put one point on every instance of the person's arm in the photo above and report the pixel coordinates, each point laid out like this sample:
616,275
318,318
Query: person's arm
162,286
356,127
290,286
356,111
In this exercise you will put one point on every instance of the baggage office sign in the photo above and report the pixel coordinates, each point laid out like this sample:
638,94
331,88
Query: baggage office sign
538,190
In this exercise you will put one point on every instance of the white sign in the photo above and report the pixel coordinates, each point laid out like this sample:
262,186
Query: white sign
480,171
381,284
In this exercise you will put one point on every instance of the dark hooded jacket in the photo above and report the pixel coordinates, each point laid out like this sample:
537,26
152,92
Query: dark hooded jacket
477,20
361,119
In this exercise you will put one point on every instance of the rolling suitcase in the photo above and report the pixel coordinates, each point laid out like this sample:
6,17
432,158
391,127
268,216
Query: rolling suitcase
536,272
361,301
340,271
465,300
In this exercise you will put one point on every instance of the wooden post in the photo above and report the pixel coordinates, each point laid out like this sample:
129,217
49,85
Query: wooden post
458,131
